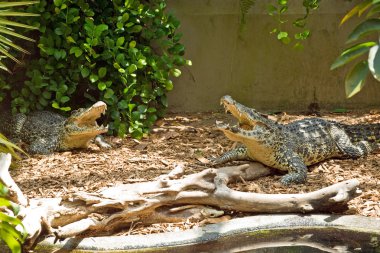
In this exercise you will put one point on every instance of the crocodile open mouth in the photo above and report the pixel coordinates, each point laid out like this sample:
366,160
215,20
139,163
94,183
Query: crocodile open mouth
239,111
83,121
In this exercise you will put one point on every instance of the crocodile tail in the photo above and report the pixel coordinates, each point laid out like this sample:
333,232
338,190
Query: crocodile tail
363,132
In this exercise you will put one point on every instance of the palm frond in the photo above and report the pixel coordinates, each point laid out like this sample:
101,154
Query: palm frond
6,41
14,4
9,32
7,28
5,52
17,14
8,147
17,24
3,67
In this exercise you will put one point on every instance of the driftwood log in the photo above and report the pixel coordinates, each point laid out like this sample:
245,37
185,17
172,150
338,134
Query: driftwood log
169,198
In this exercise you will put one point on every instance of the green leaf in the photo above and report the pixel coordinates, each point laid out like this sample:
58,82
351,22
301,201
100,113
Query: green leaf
9,219
85,72
374,10
10,147
100,29
57,3
374,62
94,78
358,8
135,29
169,85
151,110
364,28
12,242
355,79
125,17
65,109
109,93
123,104
132,68
58,31
122,130
55,105
102,86
352,53
43,101
102,72
132,44
141,63
120,41
64,99
76,51
46,94
142,108
366,5
176,72
271,9
282,35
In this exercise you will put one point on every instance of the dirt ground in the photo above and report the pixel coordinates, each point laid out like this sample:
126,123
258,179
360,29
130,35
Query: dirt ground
186,138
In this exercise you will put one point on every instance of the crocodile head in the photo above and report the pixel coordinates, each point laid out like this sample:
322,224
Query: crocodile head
247,117
253,128
81,127
258,133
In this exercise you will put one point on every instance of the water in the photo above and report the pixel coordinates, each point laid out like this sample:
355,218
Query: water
302,240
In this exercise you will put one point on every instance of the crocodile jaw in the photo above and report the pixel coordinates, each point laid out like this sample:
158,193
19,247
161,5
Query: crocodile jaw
238,110
81,127
87,117
234,133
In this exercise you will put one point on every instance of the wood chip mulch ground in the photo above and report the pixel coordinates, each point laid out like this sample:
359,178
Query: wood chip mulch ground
185,138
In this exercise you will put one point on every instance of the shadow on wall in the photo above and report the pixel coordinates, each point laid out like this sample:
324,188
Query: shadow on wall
254,67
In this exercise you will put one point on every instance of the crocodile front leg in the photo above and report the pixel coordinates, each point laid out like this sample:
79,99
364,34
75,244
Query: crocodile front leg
297,170
239,153
101,143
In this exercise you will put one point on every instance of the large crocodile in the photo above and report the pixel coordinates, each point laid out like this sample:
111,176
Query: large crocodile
292,147
46,132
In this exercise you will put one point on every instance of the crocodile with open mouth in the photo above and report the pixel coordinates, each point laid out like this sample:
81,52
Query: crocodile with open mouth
46,132
294,146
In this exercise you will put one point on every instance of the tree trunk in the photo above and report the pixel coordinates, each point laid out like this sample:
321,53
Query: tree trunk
170,198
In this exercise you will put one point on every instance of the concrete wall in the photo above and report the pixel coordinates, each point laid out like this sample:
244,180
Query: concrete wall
256,69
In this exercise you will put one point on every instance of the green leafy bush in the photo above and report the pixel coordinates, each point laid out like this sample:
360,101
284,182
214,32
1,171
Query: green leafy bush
8,232
121,52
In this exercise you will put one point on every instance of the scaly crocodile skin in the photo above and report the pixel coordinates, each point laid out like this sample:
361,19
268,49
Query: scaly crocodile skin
46,132
292,147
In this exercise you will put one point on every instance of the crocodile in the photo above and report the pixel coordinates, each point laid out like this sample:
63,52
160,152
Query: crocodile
294,146
46,131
